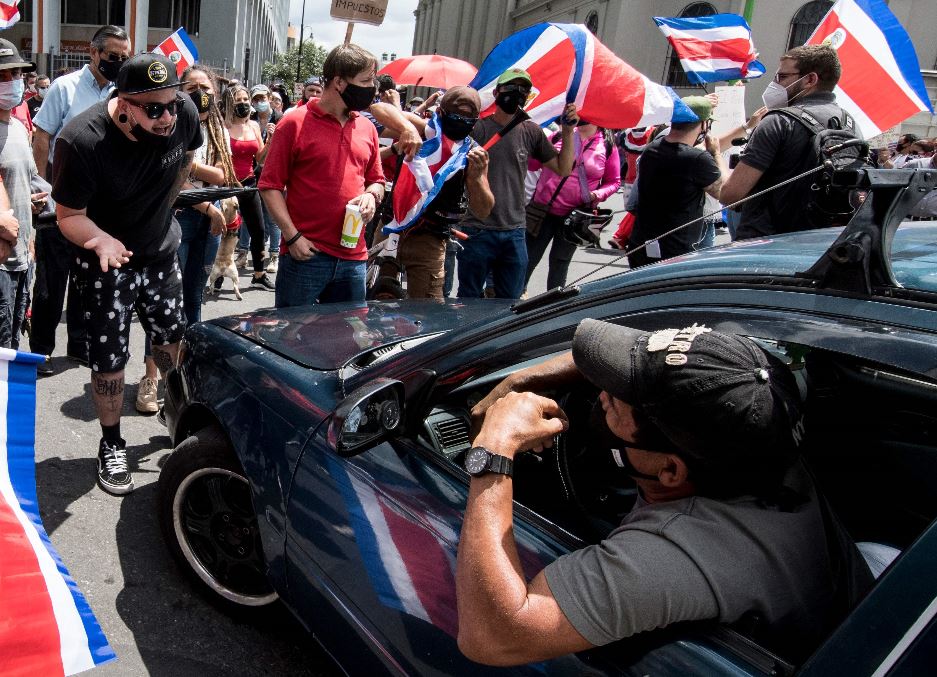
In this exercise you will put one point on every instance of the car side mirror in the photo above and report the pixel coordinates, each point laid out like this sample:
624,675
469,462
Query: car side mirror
369,415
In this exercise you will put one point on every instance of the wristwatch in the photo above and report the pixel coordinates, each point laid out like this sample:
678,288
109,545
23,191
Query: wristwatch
479,461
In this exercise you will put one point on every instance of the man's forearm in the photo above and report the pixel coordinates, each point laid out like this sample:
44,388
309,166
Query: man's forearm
480,198
567,153
276,205
78,229
41,151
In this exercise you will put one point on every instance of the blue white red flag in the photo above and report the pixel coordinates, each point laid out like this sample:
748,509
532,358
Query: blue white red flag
422,178
712,48
567,64
46,626
9,13
881,84
179,49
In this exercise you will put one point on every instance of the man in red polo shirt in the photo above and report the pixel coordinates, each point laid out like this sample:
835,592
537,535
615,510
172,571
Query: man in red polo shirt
323,157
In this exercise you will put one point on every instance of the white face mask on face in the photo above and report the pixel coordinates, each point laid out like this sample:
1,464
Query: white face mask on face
775,95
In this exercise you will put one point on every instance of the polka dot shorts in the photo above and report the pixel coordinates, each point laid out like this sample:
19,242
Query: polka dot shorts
154,291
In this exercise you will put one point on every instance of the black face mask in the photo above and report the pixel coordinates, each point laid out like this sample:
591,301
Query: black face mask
155,141
620,457
509,102
456,127
242,110
109,69
358,98
202,100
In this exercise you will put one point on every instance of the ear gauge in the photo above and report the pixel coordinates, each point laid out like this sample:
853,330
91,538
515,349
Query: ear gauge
122,118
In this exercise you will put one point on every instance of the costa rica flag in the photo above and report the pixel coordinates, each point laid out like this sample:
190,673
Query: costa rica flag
46,625
712,48
567,64
179,49
9,13
421,179
881,84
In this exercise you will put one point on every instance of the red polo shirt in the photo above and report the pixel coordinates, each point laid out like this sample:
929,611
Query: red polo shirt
322,165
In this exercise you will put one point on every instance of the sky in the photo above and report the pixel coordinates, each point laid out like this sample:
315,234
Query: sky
395,35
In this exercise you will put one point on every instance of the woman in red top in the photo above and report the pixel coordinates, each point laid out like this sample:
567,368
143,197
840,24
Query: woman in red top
247,149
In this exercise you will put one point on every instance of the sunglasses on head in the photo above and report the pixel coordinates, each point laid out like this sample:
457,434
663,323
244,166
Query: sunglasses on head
154,111
514,88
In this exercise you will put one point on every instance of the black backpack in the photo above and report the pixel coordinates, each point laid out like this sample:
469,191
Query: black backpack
823,204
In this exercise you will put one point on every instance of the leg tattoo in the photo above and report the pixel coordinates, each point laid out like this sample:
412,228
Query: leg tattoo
107,391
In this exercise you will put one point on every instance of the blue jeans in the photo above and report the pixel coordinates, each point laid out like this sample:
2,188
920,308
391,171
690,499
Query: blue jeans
503,252
14,300
321,279
195,233
271,233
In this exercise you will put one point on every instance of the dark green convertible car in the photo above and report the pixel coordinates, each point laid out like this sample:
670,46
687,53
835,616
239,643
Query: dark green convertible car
318,457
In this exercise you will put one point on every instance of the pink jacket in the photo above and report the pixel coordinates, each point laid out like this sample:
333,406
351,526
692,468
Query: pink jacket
603,176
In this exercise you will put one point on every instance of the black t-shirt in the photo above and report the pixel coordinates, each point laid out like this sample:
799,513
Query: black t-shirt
779,147
124,184
33,103
671,183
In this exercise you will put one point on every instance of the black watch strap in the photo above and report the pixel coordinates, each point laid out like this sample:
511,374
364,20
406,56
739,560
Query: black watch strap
501,464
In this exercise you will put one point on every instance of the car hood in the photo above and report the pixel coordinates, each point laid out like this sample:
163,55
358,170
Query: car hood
326,337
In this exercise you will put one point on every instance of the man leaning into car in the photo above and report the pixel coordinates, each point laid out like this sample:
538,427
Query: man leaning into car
727,527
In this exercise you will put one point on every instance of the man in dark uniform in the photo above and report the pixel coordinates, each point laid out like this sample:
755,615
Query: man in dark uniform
118,168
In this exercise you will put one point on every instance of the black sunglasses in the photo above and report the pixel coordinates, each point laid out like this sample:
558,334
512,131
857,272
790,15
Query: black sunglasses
514,88
154,111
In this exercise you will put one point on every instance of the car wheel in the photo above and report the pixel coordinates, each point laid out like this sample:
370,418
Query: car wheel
209,523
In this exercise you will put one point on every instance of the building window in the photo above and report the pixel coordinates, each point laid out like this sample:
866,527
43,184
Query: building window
175,13
806,20
592,22
676,76
93,12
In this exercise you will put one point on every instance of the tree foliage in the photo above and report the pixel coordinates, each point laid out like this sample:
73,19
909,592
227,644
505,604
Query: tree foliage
284,67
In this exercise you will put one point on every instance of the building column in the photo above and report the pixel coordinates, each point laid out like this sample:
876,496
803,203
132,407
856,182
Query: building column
47,36
137,20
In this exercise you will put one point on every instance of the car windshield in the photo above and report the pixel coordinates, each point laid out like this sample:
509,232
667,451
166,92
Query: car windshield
914,255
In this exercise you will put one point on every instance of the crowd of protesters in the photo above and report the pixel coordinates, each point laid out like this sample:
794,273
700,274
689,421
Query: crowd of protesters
123,135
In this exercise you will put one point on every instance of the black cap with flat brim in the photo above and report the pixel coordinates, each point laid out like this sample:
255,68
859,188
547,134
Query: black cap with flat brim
147,73
10,57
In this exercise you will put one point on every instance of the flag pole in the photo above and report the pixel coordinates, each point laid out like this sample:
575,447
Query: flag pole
351,27
749,10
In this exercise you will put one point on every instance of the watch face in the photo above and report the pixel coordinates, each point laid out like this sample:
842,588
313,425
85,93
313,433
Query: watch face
476,461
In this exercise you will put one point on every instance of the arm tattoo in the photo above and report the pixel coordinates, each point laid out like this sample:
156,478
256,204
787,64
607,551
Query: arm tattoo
182,177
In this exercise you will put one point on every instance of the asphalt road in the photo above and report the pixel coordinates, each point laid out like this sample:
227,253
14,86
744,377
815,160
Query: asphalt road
113,547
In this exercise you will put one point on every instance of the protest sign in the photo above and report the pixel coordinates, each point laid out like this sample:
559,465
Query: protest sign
360,11
887,139
730,113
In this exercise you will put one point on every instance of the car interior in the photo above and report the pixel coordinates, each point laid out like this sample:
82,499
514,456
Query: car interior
871,444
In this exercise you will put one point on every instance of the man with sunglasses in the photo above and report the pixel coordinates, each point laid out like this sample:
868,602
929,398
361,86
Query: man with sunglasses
498,242
68,96
118,168
776,150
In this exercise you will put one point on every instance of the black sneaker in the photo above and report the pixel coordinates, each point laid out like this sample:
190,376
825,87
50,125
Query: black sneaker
263,282
44,368
113,472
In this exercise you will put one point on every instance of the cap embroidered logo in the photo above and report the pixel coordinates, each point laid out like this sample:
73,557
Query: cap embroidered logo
157,72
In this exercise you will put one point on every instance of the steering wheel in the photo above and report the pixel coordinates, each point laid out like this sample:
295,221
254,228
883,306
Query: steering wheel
599,490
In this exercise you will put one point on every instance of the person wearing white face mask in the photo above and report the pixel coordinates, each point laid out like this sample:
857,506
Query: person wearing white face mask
42,88
17,169
803,85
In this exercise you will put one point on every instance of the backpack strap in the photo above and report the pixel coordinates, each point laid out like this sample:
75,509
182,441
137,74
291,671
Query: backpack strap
812,123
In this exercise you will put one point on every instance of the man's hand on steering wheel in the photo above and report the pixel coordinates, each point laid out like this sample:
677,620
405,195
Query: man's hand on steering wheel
519,422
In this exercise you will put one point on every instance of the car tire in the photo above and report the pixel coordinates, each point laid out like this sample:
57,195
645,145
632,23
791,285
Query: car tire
209,523
386,289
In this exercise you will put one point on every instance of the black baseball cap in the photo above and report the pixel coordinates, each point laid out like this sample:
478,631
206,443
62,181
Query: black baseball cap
146,73
719,399
10,57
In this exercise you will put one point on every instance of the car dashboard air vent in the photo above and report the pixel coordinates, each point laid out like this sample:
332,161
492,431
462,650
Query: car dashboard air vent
449,431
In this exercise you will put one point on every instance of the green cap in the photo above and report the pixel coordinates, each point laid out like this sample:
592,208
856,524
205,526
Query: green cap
699,105
514,74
